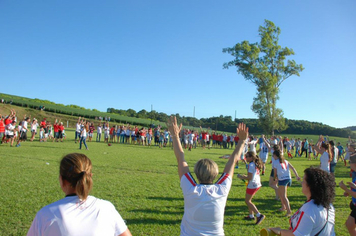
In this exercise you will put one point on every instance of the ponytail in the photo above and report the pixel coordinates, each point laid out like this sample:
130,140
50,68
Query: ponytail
76,169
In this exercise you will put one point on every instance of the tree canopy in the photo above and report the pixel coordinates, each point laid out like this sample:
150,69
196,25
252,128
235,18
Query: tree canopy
265,65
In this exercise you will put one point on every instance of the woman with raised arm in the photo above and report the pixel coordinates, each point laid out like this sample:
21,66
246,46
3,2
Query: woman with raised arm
204,202
78,213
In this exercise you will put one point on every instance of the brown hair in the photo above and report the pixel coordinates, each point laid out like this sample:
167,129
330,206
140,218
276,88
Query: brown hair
76,169
328,150
255,159
281,158
206,170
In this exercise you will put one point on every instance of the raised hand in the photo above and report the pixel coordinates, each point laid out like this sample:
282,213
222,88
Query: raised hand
173,127
242,131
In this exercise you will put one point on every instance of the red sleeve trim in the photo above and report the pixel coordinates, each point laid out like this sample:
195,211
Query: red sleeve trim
300,218
190,179
222,178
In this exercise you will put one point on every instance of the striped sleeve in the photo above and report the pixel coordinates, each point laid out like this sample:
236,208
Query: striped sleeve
187,182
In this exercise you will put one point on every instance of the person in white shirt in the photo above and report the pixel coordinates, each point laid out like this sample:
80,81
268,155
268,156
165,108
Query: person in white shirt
34,126
317,215
335,154
254,184
78,129
83,137
252,144
263,153
23,131
99,130
281,169
78,213
204,202
190,140
326,156
10,130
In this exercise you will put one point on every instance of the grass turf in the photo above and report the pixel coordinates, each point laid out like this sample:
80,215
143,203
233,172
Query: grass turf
142,182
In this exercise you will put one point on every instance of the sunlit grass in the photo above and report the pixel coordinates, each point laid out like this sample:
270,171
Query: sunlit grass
143,184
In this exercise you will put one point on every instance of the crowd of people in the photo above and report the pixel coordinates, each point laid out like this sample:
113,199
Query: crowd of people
16,131
204,200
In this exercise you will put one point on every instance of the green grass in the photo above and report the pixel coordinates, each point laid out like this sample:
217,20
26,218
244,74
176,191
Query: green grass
143,184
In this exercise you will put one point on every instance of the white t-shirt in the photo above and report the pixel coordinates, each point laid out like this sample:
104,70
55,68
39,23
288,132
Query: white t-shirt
252,145
70,216
255,182
78,127
264,152
324,162
34,127
311,218
9,129
204,206
24,126
283,171
99,130
336,154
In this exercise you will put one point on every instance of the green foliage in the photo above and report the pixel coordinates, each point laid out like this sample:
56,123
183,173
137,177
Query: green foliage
264,64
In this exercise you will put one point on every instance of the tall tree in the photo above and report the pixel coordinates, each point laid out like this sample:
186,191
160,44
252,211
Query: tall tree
265,65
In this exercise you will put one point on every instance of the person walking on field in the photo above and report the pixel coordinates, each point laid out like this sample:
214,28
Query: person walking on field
204,202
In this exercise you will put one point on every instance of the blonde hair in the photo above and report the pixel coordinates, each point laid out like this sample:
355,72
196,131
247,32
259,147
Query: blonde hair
206,171
76,169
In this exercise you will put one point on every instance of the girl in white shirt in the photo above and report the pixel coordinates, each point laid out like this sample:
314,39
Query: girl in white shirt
78,213
325,150
254,184
281,169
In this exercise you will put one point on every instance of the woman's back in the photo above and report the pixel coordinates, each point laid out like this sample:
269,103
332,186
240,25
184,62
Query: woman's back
71,216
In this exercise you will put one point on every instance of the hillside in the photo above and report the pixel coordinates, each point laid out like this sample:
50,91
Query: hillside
71,113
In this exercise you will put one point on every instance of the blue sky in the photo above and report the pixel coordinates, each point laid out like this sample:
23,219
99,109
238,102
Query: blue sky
168,54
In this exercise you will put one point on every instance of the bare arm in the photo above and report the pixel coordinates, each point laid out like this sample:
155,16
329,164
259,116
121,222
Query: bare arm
242,132
178,150
126,233
294,170
267,143
283,232
248,177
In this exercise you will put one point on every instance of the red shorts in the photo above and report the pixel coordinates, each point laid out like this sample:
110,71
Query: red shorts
252,191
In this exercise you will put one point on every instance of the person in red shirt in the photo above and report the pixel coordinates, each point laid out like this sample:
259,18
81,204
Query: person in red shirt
203,137
55,128
60,131
2,128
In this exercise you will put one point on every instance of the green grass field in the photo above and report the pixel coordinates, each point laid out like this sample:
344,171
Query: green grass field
142,182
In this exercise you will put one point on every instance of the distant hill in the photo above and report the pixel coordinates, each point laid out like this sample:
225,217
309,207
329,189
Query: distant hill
352,128
145,118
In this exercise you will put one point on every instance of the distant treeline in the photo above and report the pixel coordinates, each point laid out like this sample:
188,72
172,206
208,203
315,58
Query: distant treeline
227,124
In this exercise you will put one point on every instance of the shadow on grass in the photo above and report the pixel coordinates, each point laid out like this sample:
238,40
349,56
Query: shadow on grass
166,198
134,221
159,212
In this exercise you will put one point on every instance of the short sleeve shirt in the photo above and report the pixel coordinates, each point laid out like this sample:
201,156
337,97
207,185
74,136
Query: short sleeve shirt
255,182
71,216
204,206
311,218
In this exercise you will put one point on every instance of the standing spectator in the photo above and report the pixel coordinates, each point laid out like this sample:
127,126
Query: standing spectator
23,131
78,129
2,126
98,133
334,153
341,151
61,131
106,132
91,131
83,137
